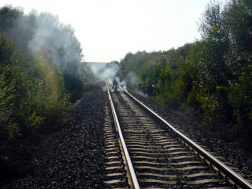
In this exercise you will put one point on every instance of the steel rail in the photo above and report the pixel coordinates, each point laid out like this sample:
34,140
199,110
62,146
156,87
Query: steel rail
130,166
241,182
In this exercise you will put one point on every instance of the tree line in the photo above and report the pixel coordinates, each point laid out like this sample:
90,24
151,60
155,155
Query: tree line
212,76
40,71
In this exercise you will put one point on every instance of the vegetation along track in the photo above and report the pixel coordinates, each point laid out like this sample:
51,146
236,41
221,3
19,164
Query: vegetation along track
161,156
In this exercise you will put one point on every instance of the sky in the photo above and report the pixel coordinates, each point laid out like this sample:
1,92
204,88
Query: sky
109,29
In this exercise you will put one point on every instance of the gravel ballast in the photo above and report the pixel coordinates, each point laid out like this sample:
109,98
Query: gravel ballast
74,155
239,159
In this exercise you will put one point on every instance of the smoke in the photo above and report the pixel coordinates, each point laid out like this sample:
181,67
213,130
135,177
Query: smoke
142,93
132,79
120,83
56,42
105,72
108,72
102,71
43,35
123,85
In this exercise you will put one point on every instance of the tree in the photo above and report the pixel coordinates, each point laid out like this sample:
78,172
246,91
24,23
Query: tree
214,70
28,100
238,19
44,35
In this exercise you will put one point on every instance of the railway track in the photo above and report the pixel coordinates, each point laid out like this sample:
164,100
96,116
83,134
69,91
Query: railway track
144,151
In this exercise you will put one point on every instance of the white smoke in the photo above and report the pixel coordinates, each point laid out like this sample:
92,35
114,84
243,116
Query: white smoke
102,71
132,79
56,41
142,93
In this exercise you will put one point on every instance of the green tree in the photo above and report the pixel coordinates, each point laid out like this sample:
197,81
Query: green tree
238,19
214,70
28,100
44,35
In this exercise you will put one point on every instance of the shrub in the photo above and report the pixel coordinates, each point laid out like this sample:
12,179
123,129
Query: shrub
31,91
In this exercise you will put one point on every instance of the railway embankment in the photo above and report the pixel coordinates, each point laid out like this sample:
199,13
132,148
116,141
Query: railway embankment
74,155
71,157
232,154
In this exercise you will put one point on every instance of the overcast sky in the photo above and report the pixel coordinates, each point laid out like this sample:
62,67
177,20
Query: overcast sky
108,29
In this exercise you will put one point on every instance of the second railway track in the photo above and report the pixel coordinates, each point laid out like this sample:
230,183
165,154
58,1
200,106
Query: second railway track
159,157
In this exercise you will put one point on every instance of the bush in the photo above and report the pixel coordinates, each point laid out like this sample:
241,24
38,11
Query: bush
31,91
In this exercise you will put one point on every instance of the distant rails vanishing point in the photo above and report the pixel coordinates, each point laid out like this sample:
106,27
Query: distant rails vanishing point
144,151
